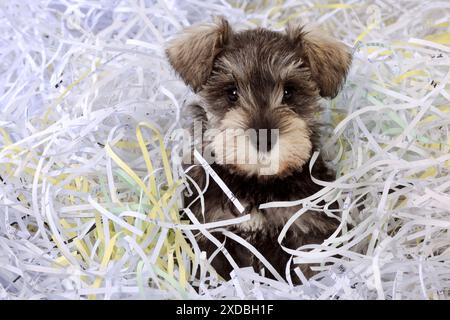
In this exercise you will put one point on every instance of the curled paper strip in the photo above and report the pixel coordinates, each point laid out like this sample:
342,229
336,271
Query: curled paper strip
219,181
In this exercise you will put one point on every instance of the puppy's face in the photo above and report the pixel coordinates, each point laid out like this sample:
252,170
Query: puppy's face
260,91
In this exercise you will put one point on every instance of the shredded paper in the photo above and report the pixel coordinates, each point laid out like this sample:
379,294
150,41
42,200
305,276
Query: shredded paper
91,182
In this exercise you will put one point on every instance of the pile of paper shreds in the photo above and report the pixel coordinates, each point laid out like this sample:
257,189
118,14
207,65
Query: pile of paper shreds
91,178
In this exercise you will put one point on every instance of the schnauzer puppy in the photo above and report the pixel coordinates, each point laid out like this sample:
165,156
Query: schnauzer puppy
264,81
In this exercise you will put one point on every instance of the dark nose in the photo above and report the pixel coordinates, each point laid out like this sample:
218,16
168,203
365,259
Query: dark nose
265,135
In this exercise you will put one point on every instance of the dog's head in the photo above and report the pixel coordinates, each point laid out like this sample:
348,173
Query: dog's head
258,80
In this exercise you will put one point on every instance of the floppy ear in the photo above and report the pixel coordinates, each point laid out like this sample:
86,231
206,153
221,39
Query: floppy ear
328,59
192,52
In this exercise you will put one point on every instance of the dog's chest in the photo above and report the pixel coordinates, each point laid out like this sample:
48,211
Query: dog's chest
264,222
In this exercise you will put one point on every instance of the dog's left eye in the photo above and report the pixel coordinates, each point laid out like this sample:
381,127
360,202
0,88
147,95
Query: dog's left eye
288,92
232,94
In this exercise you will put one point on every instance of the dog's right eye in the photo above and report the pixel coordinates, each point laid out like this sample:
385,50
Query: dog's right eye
232,94
288,92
